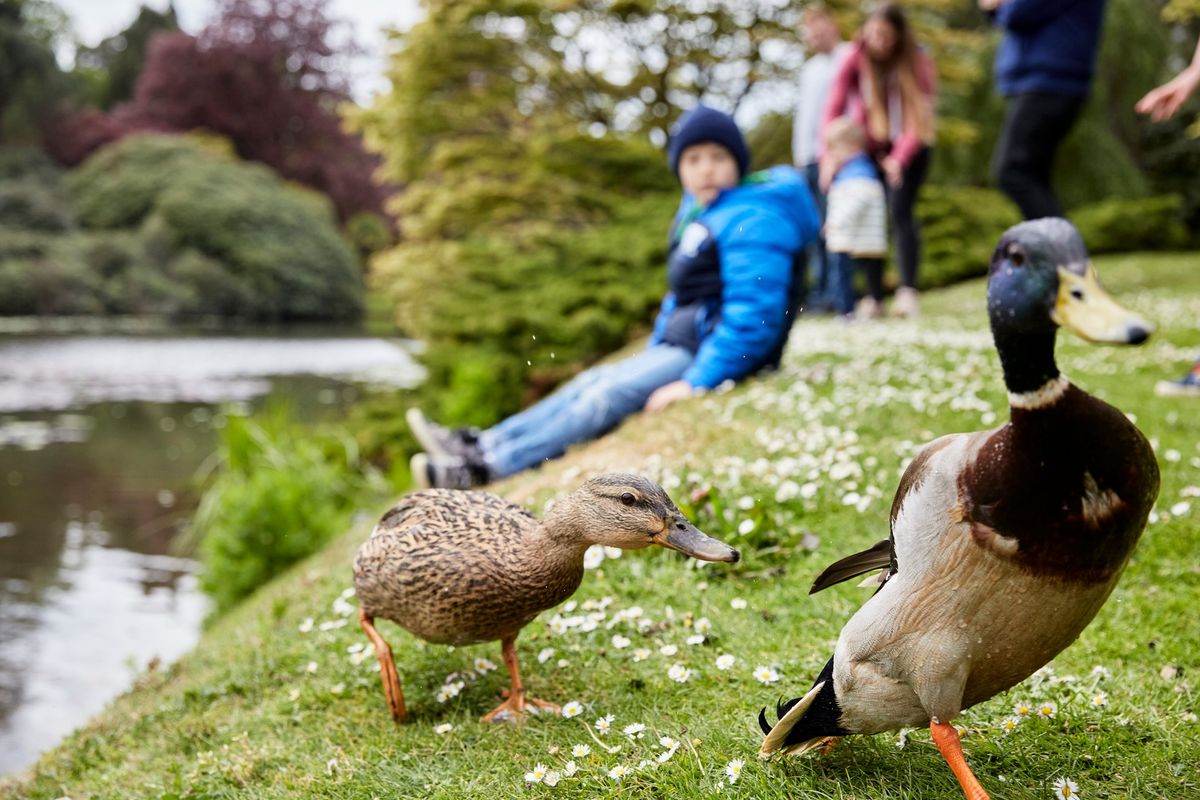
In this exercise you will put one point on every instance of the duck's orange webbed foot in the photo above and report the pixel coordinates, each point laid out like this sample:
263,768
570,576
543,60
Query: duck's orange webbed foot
947,741
513,707
387,667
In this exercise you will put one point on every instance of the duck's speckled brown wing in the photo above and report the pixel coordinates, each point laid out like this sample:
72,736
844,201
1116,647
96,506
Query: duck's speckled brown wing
458,567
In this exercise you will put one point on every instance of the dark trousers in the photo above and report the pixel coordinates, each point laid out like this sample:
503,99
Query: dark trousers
872,270
903,199
1034,127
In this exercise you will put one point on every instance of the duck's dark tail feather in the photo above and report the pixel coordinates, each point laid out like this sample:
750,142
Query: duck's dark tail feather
804,722
877,557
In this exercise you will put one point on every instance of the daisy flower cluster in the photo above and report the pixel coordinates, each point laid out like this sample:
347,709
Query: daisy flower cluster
618,753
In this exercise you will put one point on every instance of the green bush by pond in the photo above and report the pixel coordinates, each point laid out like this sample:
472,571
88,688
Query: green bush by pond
279,494
171,225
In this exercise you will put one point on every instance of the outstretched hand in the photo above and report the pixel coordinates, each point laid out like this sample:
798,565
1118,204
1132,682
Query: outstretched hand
1162,103
665,395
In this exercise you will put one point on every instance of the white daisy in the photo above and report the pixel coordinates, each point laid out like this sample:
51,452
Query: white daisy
679,673
1100,699
766,674
570,768
1047,709
445,727
620,642
537,775
311,667
1102,673
737,603
552,778
1009,724
695,638
746,526
572,709
604,724
734,769
668,742
703,625
641,654
635,730
306,626
618,772
668,649
545,655
725,661
1066,788
1022,708
483,665
581,750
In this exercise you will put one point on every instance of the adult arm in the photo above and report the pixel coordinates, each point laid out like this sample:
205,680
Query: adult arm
756,272
844,80
1023,16
1162,103
909,142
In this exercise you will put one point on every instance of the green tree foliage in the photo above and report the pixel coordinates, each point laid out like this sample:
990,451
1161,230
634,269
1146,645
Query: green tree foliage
30,79
113,65
168,225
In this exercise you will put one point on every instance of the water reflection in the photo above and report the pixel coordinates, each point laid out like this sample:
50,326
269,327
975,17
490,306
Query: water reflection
100,438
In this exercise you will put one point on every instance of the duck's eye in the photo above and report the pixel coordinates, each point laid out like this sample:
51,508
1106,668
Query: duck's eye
1015,256
1077,294
628,499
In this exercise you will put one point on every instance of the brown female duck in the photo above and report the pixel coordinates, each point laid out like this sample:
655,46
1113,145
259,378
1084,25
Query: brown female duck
1004,543
455,567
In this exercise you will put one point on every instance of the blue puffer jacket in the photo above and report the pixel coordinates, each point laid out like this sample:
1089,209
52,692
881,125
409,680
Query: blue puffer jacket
1049,46
729,270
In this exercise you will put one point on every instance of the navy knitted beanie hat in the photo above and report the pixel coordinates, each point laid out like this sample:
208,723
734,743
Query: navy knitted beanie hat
703,124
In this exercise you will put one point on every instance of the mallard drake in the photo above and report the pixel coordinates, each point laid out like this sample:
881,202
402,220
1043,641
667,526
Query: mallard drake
1004,543
462,567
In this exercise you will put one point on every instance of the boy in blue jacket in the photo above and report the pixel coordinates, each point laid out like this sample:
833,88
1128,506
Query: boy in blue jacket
726,315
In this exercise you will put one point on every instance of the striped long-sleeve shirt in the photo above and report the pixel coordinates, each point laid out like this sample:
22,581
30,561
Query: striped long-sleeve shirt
856,211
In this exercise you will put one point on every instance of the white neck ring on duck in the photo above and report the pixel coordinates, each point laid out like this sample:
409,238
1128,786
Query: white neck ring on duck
1045,395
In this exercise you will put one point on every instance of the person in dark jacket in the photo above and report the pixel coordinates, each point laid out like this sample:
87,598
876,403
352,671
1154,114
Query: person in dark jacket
732,247
1044,67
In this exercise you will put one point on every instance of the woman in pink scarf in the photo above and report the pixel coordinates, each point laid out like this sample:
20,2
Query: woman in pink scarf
887,84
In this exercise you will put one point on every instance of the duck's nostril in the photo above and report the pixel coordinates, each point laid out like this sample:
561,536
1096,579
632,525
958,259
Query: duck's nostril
1137,334
680,526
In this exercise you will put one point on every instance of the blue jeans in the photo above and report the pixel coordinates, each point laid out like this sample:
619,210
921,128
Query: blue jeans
840,286
589,405
819,295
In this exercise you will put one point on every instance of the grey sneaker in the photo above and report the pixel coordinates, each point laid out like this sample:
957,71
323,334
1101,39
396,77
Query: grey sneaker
906,304
440,441
432,472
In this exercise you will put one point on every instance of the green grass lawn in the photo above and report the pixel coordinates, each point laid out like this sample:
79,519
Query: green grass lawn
796,469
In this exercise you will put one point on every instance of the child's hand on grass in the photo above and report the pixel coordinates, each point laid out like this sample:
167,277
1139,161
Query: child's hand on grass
665,395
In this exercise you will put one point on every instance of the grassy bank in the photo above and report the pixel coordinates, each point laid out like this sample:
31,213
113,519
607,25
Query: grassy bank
796,468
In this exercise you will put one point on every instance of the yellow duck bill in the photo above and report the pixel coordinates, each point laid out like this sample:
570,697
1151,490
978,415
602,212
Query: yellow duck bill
1085,308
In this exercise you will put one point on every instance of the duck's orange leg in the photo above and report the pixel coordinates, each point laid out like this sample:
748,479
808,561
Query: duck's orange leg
947,741
514,705
387,667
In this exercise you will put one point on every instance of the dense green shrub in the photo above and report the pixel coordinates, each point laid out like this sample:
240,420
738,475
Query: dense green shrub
507,318
1146,223
960,226
214,235
279,494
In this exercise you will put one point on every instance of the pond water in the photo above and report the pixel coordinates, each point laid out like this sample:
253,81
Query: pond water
101,437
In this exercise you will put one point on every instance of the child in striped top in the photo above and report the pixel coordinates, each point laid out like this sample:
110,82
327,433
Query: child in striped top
855,217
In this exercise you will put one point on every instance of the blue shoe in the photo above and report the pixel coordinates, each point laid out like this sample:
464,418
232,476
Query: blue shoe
1187,386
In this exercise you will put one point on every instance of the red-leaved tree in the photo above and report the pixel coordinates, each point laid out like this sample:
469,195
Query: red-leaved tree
268,75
